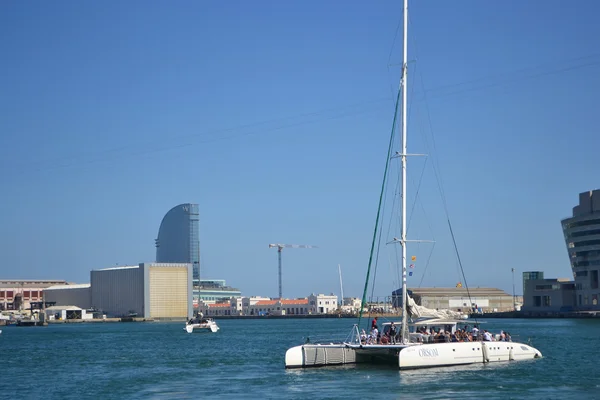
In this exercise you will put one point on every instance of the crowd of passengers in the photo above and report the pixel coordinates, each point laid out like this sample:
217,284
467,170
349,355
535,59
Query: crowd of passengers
439,335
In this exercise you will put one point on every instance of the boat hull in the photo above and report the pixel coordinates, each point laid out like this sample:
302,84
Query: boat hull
462,353
202,328
409,356
316,355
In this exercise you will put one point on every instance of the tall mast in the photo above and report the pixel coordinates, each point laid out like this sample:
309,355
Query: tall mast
403,155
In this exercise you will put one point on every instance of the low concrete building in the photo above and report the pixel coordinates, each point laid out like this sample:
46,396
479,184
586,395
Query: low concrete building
214,291
66,312
18,294
549,295
458,299
148,290
64,295
323,304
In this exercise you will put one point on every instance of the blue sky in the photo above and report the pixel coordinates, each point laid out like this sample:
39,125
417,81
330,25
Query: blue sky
274,117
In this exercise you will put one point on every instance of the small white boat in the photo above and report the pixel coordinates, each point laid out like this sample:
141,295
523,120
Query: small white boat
201,325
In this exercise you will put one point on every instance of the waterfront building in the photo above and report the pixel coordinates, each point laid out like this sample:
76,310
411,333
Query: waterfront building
178,238
458,299
214,291
261,306
548,295
69,295
351,305
533,276
582,238
18,294
323,304
148,290
67,312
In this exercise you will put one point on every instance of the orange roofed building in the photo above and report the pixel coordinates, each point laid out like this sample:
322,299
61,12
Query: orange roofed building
313,304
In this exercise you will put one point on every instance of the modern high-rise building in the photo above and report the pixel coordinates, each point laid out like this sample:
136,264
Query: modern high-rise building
582,236
178,238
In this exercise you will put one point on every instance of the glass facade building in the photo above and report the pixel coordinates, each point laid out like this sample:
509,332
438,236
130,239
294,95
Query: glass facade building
178,237
582,237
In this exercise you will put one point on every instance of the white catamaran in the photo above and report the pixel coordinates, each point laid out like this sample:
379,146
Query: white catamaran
201,324
415,345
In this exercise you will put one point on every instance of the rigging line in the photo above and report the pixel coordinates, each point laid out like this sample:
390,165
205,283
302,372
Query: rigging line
392,270
508,74
437,173
392,216
216,131
424,135
379,240
387,163
394,40
514,72
436,169
431,150
391,51
440,187
380,237
461,267
399,127
417,198
508,82
398,262
427,264
184,145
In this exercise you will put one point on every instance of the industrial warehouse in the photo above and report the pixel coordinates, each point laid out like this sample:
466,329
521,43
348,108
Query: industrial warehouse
149,290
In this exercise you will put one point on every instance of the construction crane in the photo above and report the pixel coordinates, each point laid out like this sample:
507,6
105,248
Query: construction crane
293,246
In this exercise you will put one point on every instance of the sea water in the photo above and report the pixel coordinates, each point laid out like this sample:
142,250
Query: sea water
245,359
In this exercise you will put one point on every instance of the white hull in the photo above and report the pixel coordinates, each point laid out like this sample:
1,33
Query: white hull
317,355
210,326
409,356
460,353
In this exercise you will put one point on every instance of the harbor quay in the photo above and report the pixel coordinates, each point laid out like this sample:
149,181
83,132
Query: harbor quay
539,314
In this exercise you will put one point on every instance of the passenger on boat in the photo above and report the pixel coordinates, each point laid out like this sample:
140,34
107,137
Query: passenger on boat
487,337
392,333
385,339
374,335
475,332
363,337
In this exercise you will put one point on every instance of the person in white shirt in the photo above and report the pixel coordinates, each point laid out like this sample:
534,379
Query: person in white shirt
487,337
475,332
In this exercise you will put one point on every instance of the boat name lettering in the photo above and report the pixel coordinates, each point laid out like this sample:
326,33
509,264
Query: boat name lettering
428,352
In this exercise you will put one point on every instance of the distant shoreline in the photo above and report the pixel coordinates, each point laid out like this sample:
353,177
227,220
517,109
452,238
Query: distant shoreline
538,314
220,317
505,314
